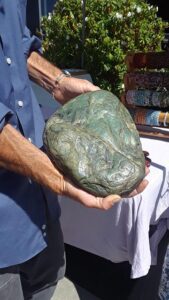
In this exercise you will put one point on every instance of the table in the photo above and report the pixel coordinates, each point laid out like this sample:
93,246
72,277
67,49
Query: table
122,233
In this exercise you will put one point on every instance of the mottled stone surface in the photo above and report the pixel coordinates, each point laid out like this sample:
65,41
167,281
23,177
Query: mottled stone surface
93,140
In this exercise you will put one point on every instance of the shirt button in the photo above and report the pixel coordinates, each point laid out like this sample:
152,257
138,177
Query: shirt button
8,60
30,140
44,226
44,234
30,180
20,103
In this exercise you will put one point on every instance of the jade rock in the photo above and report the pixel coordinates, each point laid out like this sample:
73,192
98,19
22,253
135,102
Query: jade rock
93,141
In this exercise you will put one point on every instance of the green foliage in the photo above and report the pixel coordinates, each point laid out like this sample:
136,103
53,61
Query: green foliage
112,29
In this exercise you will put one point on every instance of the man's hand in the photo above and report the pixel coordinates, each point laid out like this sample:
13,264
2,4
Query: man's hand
44,74
70,87
87,199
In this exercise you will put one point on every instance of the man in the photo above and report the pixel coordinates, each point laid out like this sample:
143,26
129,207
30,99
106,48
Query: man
31,244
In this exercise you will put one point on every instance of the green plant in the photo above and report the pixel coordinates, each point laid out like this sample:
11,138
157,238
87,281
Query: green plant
112,29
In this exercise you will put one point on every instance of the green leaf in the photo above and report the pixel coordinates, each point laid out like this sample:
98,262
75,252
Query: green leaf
112,29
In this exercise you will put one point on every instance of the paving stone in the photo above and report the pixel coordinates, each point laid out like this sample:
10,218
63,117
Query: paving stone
67,290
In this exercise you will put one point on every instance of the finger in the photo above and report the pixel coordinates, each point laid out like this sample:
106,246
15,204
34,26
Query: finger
133,193
96,88
146,153
148,162
149,159
108,202
89,86
141,187
147,170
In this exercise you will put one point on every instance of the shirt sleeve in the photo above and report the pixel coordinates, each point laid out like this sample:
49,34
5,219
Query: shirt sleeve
5,115
31,43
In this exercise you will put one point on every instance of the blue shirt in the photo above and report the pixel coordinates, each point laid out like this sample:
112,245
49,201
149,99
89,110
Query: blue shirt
22,205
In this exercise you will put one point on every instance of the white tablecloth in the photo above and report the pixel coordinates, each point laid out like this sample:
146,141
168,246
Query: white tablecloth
122,233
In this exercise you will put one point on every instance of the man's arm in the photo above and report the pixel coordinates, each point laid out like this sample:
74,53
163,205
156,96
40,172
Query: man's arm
17,154
45,74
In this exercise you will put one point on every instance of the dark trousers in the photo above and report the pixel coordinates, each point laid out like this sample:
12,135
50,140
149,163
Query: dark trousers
36,278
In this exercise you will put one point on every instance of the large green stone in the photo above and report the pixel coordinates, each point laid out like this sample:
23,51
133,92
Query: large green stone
94,142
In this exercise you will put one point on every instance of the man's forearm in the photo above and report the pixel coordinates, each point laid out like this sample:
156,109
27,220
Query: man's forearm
19,155
42,71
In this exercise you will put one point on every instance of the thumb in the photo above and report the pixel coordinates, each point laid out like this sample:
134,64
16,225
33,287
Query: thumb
108,202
